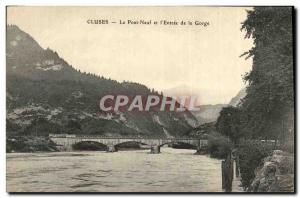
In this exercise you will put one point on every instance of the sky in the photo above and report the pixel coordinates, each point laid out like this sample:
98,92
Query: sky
178,60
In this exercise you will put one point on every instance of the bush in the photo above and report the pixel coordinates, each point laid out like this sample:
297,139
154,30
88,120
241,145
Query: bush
251,154
219,146
29,144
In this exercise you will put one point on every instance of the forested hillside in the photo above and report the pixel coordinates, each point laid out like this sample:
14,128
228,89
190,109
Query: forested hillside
47,95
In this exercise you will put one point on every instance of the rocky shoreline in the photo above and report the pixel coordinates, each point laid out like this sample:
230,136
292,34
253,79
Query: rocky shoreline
276,174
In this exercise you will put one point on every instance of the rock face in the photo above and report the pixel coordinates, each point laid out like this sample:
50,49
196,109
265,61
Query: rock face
276,174
235,101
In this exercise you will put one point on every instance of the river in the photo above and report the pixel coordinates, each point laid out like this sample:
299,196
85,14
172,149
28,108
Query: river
173,170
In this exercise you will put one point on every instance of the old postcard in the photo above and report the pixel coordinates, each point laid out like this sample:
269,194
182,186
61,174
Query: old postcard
150,99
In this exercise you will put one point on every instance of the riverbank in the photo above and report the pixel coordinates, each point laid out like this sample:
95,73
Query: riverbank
29,144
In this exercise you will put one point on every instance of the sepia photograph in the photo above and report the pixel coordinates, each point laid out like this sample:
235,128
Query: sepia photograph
150,99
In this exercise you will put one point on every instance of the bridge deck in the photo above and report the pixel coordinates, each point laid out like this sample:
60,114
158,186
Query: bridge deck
120,137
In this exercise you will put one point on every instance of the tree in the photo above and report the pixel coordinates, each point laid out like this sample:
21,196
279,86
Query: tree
270,93
230,123
73,126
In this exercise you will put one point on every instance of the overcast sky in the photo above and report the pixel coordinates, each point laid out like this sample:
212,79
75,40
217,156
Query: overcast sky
197,60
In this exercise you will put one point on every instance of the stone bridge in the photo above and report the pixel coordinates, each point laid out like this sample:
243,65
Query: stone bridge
66,141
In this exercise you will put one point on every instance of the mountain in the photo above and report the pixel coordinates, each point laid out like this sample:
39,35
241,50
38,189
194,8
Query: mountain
235,101
204,95
210,113
44,94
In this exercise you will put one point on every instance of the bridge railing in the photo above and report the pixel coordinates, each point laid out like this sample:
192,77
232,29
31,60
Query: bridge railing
119,137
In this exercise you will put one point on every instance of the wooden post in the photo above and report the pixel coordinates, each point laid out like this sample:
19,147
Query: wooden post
227,174
223,174
237,166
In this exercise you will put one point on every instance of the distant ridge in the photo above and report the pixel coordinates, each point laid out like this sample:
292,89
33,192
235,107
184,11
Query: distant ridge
210,113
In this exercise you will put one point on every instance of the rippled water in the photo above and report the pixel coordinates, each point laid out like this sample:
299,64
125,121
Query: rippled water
173,170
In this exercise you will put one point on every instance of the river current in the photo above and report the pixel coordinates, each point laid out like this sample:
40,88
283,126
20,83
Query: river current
173,170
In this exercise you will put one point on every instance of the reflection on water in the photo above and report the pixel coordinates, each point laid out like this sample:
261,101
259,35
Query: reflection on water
137,171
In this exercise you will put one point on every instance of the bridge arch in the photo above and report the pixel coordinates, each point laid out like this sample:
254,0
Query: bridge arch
89,145
183,145
131,144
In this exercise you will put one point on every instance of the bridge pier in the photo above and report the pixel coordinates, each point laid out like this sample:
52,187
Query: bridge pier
201,149
111,148
65,147
155,149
